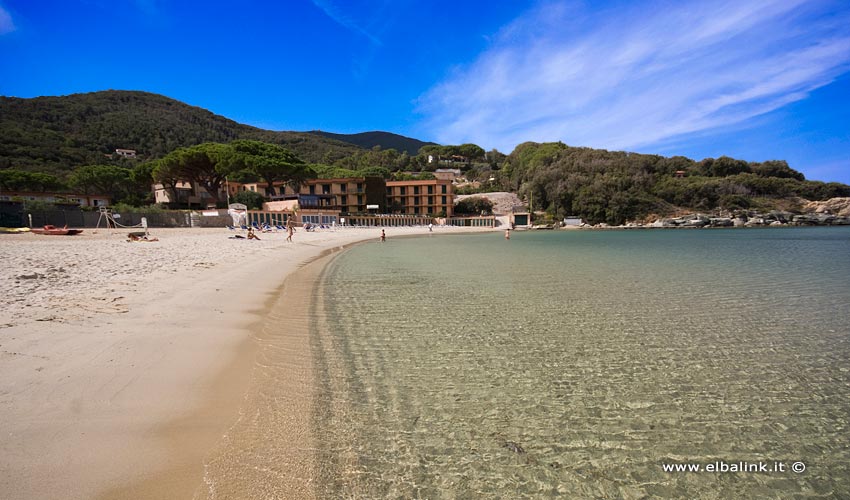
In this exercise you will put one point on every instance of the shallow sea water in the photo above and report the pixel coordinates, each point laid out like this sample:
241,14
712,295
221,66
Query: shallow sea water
577,363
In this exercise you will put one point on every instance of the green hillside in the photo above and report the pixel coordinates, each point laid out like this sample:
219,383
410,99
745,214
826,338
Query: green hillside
617,186
56,134
385,140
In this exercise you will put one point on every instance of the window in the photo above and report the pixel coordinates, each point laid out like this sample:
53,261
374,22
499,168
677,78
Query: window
360,188
444,201
444,189
307,200
415,189
329,219
403,191
359,199
343,187
312,189
430,200
343,200
430,189
416,201
312,219
326,189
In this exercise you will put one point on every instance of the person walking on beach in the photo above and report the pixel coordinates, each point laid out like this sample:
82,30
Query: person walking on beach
289,230
430,227
507,234
383,236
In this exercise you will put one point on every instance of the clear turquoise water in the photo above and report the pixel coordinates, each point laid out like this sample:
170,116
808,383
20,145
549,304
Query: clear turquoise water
578,363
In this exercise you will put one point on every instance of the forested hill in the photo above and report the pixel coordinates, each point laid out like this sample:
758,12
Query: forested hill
56,134
385,140
616,186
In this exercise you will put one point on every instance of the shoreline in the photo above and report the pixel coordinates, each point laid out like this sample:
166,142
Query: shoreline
136,389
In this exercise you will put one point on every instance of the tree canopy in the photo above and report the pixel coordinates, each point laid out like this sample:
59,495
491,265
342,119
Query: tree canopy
17,180
104,179
206,164
474,205
470,152
251,199
271,162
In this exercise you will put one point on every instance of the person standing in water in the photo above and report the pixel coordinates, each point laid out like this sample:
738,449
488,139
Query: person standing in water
383,236
507,234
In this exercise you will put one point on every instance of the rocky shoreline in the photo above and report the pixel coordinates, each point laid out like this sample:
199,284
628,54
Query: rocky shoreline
833,212
774,218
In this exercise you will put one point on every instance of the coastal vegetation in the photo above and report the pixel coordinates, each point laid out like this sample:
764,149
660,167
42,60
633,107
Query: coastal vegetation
474,205
615,186
73,143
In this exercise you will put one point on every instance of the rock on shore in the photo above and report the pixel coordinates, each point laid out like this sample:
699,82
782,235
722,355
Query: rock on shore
834,206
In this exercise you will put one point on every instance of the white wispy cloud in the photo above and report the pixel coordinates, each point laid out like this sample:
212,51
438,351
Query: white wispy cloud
6,23
636,76
339,16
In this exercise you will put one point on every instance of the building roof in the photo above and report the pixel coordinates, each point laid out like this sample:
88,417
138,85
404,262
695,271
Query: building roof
418,182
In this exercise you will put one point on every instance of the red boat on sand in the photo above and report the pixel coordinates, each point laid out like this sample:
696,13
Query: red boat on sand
57,231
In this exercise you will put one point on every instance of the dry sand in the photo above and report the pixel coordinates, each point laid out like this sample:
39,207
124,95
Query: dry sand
122,365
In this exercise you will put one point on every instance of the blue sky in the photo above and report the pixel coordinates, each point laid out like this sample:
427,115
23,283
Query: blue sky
752,79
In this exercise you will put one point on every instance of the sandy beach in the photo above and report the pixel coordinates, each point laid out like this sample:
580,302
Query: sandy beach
124,364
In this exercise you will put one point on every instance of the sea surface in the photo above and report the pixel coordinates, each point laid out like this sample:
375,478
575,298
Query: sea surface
580,363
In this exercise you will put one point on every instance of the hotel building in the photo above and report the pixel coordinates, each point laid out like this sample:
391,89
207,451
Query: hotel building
428,197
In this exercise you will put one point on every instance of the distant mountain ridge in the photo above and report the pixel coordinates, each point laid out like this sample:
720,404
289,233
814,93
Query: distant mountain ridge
386,140
55,134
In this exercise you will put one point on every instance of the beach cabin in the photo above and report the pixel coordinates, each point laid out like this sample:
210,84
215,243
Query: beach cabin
519,219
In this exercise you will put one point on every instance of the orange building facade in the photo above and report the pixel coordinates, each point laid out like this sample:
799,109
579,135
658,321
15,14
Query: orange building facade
429,197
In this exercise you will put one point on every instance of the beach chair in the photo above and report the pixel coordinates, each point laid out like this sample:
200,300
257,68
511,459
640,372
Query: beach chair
244,227
230,227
